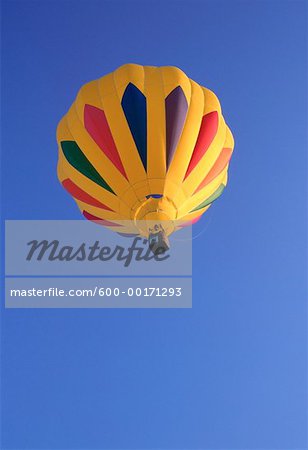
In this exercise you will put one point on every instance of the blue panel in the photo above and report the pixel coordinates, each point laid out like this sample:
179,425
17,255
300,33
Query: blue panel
135,110
176,110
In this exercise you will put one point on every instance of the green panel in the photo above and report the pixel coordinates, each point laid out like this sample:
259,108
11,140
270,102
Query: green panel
78,160
210,199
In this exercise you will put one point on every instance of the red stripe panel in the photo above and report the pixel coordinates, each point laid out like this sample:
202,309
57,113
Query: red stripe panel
81,195
100,221
218,167
207,132
97,126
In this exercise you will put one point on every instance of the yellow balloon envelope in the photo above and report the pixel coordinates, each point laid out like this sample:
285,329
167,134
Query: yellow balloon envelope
144,145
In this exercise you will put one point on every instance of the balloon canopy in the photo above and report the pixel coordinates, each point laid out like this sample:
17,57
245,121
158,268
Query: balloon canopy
143,146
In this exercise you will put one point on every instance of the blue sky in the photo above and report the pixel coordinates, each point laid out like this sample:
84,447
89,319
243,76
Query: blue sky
230,372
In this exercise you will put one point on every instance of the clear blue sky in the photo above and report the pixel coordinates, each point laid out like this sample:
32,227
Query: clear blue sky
230,372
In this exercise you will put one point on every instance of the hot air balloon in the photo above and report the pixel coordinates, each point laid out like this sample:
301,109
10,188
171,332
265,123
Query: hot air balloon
144,151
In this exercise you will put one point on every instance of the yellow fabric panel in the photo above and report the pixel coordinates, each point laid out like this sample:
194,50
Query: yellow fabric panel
209,189
94,154
181,158
201,196
225,178
156,126
129,73
193,215
120,131
156,185
89,186
229,141
88,94
63,132
99,212
172,78
65,170
205,164
127,226
211,101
